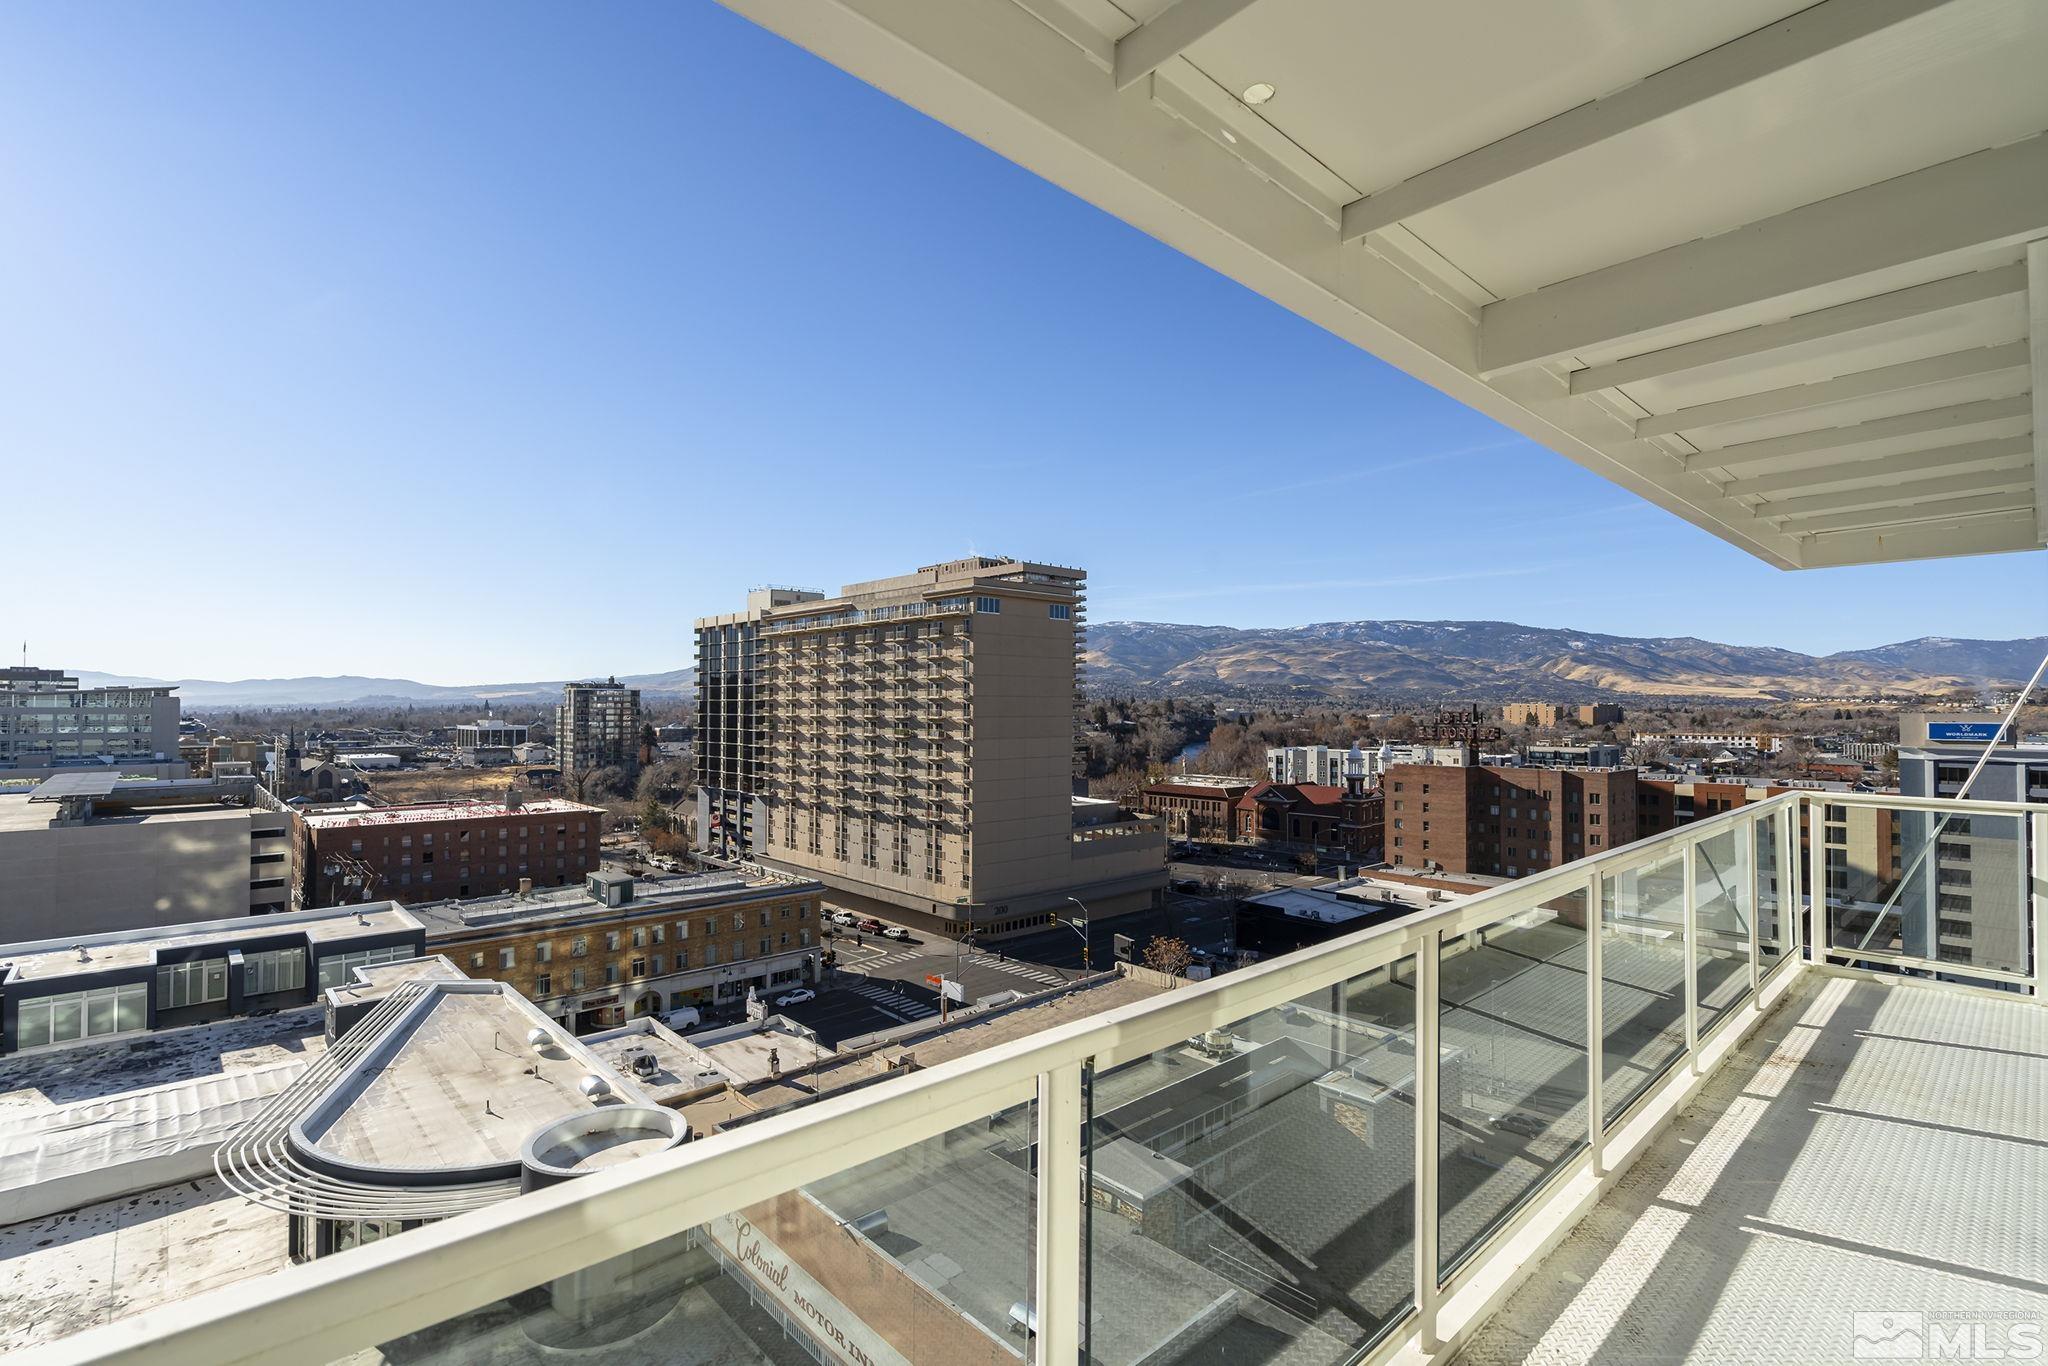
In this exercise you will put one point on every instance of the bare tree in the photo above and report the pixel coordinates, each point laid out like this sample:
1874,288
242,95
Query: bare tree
1168,955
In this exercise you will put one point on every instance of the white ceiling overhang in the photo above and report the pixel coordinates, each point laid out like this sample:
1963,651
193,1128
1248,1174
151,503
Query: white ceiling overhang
1772,267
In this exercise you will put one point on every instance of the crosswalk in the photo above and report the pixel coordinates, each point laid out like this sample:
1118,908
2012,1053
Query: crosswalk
888,959
1029,971
889,1003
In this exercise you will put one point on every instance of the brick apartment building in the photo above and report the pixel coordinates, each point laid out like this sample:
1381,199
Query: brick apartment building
1196,806
1312,818
610,947
1505,822
1557,713
429,851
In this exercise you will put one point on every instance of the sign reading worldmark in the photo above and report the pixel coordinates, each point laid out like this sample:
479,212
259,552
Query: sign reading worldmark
827,1321
1963,732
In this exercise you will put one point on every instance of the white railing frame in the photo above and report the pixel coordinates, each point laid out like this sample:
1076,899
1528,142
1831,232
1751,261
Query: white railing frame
343,1304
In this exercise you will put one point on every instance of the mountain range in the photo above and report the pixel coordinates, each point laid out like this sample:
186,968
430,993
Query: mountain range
1501,658
1478,659
345,689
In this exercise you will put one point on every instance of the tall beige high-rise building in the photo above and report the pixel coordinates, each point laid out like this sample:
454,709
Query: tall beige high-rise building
597,725
910,743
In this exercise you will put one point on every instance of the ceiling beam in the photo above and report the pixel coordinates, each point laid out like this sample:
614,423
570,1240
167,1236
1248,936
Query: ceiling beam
1886,379
1993,534
1930,511
2037,336
1911,302
1753,56
2001,451
1912,491
1985,199
1169,33
1878,429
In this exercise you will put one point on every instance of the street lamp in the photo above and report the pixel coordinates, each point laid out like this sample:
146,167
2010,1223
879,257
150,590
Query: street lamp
1080,927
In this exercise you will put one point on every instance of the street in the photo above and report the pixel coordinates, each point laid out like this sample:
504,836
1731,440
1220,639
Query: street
880,983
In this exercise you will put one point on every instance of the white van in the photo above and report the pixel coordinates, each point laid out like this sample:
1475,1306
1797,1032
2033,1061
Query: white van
683,1017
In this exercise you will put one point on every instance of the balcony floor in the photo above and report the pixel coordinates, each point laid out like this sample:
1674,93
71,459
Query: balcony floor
1872,1163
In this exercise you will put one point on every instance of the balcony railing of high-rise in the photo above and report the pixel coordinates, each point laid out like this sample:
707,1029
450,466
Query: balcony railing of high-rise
1353,1152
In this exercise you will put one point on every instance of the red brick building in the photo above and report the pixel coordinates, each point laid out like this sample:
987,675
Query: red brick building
432,851
1505,822
1312,817
1196,808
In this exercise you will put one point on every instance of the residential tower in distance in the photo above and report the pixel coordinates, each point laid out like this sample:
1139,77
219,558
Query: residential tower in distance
910,743
597,726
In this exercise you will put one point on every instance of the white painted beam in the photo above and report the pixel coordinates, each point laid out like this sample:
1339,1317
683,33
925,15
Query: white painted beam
1893,495
1986,199
1753,56
1912,302
2000,452
1994,534
1885,379
1169,33
2037,336
1950,418
1931,511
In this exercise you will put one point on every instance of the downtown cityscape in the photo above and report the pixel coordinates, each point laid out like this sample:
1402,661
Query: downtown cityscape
640,851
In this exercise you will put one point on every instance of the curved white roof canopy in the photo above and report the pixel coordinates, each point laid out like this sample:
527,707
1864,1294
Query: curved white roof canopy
1772,266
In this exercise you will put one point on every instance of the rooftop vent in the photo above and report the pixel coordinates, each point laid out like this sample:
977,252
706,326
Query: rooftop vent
594,1087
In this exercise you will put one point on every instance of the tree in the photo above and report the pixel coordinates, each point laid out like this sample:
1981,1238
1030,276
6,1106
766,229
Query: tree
1168,955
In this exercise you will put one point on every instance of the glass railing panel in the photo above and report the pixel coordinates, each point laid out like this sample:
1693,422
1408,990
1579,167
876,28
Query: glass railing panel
1722,910
1252,1188
1512,1089
1773,887
1927,886
1642,979
922,1256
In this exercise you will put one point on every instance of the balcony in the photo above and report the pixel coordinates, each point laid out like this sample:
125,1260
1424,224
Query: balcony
1625,1110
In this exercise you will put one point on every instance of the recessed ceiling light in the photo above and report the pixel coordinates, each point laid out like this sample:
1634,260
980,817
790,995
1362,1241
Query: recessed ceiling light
1228,136
1258,94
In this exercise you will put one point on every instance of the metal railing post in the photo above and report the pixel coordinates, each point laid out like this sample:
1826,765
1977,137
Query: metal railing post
1428,1066
1756,905
1596,1031
1788,880
1692,979
1057,1278
2037,963
1816,882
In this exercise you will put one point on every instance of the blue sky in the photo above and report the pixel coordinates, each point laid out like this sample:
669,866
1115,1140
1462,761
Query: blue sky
475,342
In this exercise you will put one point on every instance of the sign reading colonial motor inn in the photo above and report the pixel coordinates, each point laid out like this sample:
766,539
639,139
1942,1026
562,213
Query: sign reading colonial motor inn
822,1316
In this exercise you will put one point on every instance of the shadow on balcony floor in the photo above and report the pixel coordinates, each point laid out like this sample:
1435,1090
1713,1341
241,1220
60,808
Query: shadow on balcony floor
1867,1178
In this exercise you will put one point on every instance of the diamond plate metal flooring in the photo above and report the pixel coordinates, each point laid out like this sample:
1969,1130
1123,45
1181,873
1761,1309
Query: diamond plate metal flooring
1866,1179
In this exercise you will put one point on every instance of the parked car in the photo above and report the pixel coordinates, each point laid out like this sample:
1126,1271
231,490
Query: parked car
684,1017
896,932
870,926
841,917
797,997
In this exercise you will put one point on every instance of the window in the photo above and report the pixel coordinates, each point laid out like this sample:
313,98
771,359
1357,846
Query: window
273,970
1060,611
476,962
611,973
191,984
763,951
339,968
579,946
611,941
544,952
658,966
639,968
710,956
82,1015
543,984
984,604
507,958
575,979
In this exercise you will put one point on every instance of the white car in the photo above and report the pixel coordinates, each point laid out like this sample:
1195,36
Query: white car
797,997
895,932
841,917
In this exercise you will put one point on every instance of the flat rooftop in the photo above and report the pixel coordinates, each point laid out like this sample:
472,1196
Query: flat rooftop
420,812
20,811
651,894
47,959
456,1084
